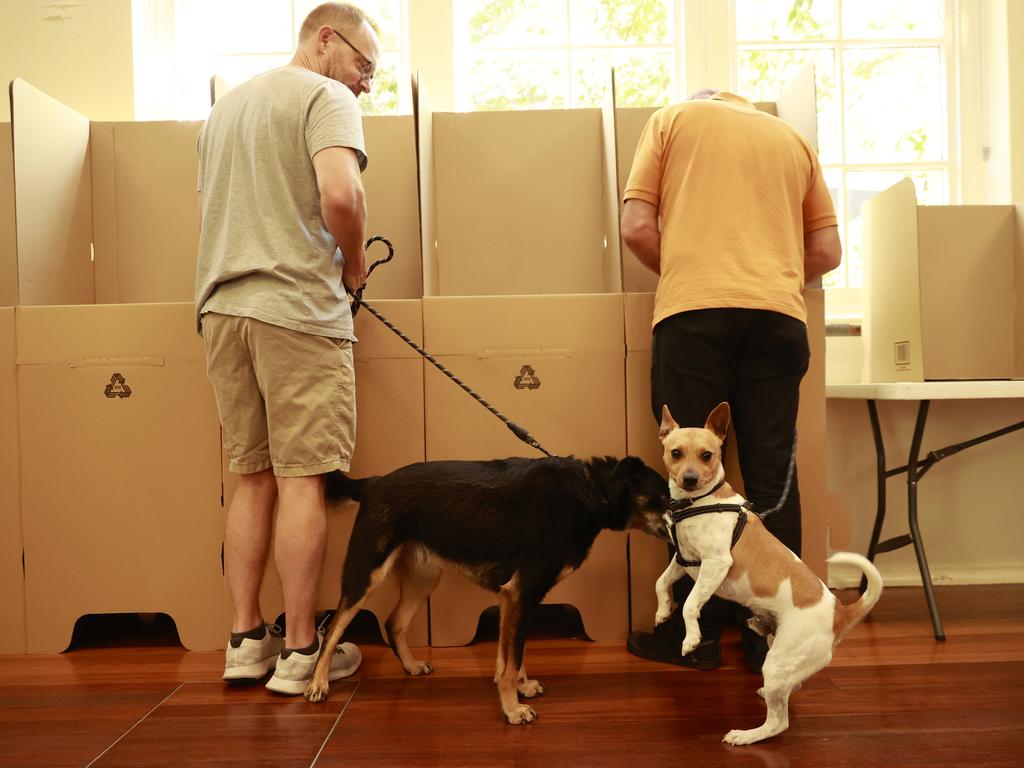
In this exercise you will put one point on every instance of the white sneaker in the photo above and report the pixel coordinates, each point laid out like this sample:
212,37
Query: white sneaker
294,671
252,659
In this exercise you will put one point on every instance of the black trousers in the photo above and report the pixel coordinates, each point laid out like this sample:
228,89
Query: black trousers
753,359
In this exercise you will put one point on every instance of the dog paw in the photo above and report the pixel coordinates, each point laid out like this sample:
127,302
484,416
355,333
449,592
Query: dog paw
530,688
521,714
317,691
419,668
689,643
660,618
739,738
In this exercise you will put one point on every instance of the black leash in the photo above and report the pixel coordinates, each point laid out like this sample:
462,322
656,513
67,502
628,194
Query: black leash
357,300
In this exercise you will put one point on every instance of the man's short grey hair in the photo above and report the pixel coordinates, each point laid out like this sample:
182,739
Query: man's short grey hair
703,93
343,15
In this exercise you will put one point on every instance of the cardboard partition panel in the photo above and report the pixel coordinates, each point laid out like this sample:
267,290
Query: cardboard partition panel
553,365
392,206
389,435
145,210
797,104
120,480
423,118
823,518
12,575
8,232
938,279
53,193
519,204
106,212
1019,287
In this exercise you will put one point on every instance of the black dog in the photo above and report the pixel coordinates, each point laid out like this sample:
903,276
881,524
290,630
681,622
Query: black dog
514,526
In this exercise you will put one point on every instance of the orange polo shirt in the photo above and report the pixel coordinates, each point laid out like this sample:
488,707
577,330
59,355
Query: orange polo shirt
736,190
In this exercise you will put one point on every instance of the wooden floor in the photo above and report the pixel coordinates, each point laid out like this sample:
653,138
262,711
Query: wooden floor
893,697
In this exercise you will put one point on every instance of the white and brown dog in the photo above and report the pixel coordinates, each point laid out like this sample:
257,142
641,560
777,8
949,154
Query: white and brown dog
729,552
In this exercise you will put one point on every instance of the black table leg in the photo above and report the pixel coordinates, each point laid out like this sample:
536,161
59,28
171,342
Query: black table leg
876,532
915,533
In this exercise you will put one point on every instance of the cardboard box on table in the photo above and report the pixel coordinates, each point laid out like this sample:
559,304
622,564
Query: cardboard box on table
107,212
942,299
521,278
389,435
119,470
12,575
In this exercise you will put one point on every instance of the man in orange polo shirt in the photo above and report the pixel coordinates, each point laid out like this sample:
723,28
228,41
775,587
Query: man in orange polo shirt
728,206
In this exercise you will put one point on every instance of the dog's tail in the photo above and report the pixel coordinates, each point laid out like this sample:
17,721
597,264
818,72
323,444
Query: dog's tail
339,486
853,613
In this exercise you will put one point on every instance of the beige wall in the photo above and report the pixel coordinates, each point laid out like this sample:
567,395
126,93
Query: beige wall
85,61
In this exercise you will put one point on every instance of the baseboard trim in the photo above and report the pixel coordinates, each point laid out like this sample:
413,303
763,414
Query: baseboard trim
844,577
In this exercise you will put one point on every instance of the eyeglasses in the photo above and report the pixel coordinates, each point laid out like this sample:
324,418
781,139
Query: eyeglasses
366,67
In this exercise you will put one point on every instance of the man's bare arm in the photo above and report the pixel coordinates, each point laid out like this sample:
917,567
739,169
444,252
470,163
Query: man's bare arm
343,206
640,232
822,252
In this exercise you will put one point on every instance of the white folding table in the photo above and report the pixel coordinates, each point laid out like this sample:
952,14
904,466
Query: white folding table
915,468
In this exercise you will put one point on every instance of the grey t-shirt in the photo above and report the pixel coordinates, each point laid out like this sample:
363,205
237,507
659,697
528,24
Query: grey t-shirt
264,251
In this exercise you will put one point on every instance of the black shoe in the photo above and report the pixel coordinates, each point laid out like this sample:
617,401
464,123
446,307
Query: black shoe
664,646
755,648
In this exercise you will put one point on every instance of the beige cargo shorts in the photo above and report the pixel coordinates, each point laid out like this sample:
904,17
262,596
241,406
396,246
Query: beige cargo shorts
286,399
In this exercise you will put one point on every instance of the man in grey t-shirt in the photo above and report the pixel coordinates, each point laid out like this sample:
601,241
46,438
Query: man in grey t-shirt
283,226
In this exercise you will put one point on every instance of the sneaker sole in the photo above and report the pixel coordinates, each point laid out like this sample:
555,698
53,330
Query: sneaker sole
295,687
679,661
251,671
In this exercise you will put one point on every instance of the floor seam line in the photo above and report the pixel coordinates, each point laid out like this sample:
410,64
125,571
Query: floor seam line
135,725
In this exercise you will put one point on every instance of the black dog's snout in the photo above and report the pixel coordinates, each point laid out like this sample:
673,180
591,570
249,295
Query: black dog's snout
690,480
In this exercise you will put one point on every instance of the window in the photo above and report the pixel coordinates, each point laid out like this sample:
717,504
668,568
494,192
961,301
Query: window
551,54
883,97
238,40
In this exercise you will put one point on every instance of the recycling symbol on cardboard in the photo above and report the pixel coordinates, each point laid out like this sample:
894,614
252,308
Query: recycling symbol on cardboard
527,379
117,387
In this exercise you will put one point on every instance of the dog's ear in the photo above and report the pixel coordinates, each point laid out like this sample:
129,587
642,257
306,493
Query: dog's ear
718,421
667,423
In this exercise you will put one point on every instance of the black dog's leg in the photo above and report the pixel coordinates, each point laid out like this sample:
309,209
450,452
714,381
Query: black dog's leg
364,570
418,574
525,686
511,637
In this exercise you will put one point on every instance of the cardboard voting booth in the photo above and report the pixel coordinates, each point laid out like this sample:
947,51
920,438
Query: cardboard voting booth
554,365
941,289
518,202
120,480
107,212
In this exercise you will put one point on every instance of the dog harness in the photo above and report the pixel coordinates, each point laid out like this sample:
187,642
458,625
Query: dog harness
681,509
